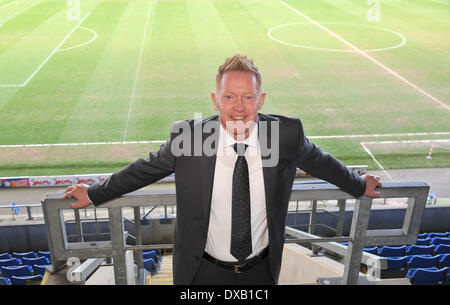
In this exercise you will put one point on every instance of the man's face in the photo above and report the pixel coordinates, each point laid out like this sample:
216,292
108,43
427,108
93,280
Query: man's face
238,102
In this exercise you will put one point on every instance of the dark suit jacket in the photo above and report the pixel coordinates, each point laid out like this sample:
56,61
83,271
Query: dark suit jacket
194,181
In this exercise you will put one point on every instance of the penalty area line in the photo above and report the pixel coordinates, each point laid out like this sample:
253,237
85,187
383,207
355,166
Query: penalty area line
48,57
376,161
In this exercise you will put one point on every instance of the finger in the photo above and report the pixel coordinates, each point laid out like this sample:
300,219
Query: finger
67,195
76,205
375,194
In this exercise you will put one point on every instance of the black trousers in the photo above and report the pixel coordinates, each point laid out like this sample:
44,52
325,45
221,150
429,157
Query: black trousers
210,274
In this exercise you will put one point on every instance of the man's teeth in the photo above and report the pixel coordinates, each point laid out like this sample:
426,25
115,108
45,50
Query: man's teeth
237,117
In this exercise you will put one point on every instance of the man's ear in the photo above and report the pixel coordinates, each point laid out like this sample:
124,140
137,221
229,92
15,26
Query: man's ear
213,97
261,101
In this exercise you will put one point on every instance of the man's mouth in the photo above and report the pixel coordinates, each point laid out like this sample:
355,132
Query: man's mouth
237,117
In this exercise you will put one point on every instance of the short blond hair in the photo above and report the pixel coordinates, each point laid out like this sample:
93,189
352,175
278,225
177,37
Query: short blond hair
239,63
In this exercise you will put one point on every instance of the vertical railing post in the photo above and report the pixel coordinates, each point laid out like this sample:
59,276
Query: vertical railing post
118,245
138,235
312,224
30,216
78,226
355,249
340,222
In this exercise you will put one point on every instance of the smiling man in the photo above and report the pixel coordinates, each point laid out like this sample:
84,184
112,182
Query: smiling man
231,205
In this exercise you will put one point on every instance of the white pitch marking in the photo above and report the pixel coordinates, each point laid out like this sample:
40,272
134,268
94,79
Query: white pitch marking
48,57
381,135
84,43
408,141
56,49
402,43
162,141
21,11
8,4
81,144
376,161
124,136
363,144
447,107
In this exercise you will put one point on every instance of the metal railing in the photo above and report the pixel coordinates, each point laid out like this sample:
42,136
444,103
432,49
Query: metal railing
15,211
416,192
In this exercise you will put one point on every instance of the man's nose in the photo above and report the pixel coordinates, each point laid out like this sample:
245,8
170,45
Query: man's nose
239,104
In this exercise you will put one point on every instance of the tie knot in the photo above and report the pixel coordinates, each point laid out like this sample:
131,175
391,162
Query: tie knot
240,148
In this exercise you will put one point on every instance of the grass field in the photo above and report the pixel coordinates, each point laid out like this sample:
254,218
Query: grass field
125,70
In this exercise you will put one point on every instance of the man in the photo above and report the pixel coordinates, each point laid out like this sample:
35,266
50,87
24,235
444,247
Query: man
233,182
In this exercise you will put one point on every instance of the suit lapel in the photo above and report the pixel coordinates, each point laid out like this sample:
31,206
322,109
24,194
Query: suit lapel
269,173
208,165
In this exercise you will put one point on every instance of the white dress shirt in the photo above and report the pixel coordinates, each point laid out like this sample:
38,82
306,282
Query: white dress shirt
219,230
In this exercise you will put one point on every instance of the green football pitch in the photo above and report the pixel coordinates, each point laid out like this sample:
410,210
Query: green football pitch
369,79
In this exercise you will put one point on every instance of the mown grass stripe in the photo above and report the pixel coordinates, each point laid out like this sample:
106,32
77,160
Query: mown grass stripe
22,25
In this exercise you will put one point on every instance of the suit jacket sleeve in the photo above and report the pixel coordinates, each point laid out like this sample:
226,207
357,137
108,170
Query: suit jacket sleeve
136,175
322,165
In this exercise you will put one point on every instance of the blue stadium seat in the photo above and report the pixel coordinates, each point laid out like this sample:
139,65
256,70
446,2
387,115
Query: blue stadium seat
25,254
149,264
35,261
150,254
40,269
444,260
440,241
373,250
441,235
5,256
422,261
419,250
46,254
10,262
24,280
422,235
9,271
441,249
5,281
423,242
421,276
396,263
390,251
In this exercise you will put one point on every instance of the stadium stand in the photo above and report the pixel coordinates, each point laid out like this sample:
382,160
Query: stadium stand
24,280
426,262
10,262
421,276
23,268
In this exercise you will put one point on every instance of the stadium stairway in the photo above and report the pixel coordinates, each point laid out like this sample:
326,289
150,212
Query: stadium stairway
164,276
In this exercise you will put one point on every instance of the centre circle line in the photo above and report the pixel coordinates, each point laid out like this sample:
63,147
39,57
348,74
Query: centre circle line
402,43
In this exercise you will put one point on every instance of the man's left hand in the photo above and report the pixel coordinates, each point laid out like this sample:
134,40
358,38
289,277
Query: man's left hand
372,182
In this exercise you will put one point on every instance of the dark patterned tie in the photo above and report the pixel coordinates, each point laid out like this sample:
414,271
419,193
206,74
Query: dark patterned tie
241,233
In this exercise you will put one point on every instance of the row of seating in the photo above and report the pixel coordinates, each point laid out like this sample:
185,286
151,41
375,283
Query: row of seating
418,261
433,235
426,262
23,268
389,251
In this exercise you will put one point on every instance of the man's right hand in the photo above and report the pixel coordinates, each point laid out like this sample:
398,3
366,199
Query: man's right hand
79,192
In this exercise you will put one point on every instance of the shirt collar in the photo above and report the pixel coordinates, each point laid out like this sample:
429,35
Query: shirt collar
227,140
